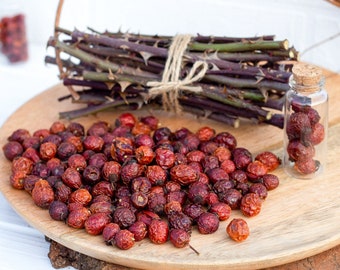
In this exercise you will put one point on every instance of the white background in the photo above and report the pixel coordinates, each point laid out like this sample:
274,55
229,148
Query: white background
303,22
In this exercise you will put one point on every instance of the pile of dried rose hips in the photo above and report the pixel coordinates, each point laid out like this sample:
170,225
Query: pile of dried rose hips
136,180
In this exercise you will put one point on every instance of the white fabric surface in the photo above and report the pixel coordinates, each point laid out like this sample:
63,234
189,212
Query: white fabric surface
303,22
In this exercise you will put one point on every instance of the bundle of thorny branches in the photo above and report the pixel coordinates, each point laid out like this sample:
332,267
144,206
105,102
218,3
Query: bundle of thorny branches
245,78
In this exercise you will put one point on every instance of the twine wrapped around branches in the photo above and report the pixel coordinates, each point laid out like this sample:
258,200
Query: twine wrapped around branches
171,84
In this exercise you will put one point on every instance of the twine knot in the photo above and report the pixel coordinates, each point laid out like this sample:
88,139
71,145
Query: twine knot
170,85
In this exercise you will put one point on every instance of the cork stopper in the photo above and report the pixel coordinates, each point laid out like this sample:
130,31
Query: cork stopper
307,76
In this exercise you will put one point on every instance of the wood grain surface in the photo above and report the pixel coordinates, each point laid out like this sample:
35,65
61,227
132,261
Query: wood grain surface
300,218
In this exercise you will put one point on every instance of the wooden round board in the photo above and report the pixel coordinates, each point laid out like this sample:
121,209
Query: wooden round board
300,218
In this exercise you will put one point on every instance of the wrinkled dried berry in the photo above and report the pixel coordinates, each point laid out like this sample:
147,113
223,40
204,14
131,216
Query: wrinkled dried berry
139,230
42,194
158,231
124,217
124,239
222,210
238,230
109,232
58,210
179,220
269,160
179,238
207,223
183,174
241,157
96,223
12,150
251,204
270,181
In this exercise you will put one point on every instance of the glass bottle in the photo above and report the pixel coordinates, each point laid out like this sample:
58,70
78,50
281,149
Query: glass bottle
306,123
13,39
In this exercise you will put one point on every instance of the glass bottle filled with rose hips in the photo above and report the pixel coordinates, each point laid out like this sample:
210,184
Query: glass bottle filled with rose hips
306,123
13,41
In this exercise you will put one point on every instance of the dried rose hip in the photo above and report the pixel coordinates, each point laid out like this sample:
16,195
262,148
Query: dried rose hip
198,192
151,121
193,211
255,170
12,150
226,139
77,217
158,231
101,207
109,232
306,166
222,153
317,135
270,181
165,158
72,178
144,154
259,189
58,210
124,239
96,223
139,230
298,126
298,151
241,157
42,194
250,204
124,217
183,174
238,230
172,206
81,196
179,220
140,128
22,164
207,223
205,133
65,150
222,210
179,238
269,160
126,119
